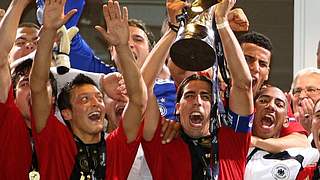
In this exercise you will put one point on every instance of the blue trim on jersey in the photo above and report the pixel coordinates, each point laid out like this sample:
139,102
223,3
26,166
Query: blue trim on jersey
165,91
240,123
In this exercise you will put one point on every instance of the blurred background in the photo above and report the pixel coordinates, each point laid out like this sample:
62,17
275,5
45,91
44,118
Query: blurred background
292,25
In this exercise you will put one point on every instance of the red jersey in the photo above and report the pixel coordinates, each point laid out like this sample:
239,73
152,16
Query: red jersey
294,126
15,151
56,150
172,161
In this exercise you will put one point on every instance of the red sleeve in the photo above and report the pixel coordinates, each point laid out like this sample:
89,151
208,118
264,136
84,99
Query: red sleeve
293,127
4,107
120,154
233,149
15,151
306,173
55,148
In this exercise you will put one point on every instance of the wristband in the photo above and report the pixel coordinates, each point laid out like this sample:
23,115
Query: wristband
173,27
222,25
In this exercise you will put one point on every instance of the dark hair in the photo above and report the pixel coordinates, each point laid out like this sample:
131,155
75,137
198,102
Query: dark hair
19,71
186,81
29,25
141,25
256,38
22,70
263,89
65,94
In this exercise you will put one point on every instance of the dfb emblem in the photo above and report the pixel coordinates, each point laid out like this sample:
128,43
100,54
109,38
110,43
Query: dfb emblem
281,171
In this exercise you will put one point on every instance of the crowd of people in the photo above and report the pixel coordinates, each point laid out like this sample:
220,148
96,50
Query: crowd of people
147,118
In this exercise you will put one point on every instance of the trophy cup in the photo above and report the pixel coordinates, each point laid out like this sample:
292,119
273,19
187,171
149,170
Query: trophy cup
193,49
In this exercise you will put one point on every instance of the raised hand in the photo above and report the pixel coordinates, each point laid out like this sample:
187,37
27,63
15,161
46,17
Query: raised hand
53,15
174,8
304,113
222,10
117,24
238,20
169,130
113,85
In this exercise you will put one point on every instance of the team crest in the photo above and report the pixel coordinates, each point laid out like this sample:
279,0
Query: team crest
281,172
163,109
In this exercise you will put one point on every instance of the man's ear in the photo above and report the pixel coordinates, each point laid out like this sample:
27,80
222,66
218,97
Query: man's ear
178,108
286,122
66,114
267,76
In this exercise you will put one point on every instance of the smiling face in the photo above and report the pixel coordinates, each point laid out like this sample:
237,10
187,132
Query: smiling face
258,60
86,116
271,113
194,108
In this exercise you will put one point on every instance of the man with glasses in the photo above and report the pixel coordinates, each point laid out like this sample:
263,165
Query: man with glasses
305,91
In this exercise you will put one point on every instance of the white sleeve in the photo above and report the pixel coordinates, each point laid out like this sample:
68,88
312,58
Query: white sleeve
68,77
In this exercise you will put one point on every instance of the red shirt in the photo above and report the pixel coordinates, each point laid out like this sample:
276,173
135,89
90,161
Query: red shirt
172,161
15,151
56,151
294,126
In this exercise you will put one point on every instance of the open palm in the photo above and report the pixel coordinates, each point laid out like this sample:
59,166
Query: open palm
53,16
117,24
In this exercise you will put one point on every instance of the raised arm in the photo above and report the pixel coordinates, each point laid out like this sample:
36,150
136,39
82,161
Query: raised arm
153,65
118,36
8,29
241,97
276,145
41,99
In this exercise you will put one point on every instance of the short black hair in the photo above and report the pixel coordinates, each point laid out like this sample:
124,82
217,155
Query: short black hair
22,70
141,25
65,94
256,38
186,81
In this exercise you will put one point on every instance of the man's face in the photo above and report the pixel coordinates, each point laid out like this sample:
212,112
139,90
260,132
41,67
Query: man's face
271,113
194,108
88,110
258,60
305,82
23,96
139,45
26,42
114,109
